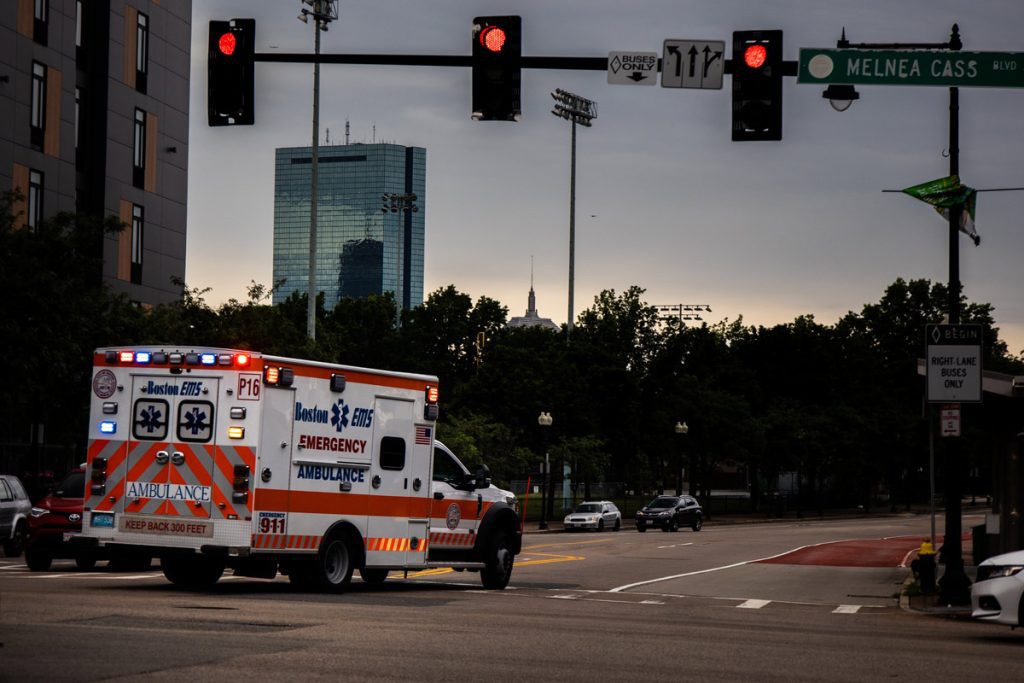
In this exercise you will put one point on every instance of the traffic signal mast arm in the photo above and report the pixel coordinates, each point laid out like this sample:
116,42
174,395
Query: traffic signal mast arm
789,68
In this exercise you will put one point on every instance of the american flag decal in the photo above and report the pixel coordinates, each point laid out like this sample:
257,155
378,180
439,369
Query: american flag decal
423,435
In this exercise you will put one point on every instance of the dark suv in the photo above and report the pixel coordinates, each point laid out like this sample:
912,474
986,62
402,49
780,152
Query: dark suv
669,513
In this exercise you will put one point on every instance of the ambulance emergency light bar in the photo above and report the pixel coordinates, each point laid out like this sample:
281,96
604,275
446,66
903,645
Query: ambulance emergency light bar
238,360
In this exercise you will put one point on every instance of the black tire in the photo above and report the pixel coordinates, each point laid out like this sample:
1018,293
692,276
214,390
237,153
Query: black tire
673,525
85,562
195,573
618,525
129,561
300,574
373,576
333,567
698,523
600,525
499,561
641,528
14,546
38,560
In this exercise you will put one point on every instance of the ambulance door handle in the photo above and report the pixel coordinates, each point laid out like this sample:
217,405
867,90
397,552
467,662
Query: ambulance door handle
162,457
375,482
416,484
438,495
177,457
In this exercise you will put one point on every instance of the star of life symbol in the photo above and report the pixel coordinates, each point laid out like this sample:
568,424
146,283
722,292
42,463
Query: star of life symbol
195,421
149,419
339,415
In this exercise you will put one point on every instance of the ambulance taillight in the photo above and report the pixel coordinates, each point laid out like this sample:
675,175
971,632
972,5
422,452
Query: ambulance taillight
242,360
278,377
430,403
99,477
240,484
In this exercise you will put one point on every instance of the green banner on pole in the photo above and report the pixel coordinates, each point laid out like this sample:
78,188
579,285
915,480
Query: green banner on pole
944,194
912,67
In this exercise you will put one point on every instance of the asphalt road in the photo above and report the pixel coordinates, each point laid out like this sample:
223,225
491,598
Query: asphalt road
738,602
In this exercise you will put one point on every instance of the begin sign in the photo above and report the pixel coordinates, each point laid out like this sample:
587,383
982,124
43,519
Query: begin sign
954,363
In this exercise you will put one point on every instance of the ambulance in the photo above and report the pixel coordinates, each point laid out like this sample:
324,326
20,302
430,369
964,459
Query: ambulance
215,458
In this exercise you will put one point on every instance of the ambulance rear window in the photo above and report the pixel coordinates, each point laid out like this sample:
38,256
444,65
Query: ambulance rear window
392,453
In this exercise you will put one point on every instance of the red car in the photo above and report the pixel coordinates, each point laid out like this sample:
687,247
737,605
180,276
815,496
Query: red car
55,514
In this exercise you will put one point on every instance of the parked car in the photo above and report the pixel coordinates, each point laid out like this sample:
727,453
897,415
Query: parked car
669,513
598,515
998,593
14,511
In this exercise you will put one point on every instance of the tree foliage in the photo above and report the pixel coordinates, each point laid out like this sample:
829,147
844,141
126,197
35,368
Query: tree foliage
837,404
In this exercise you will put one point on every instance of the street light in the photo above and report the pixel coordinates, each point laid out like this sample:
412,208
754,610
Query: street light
579,110
323,13
840,96
681,429
544,420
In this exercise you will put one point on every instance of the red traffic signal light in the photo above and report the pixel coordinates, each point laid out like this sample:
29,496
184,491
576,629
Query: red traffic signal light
226,44
493,38
755,55
756,85
496,68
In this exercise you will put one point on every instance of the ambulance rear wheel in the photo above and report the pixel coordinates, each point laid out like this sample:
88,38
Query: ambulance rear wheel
334,565
496,575
373,576
200,571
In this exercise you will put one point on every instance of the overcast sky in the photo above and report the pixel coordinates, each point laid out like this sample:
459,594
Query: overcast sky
664,199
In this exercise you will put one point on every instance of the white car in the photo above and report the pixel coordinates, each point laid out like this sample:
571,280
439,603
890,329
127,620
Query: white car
998,594
599,515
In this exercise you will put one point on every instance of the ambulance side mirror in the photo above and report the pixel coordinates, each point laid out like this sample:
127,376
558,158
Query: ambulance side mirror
482,477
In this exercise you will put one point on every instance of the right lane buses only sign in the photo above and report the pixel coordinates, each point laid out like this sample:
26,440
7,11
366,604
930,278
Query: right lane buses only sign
954,363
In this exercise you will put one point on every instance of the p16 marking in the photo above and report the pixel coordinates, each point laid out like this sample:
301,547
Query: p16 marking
249,386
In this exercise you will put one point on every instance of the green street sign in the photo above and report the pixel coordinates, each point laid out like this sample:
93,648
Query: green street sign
912,67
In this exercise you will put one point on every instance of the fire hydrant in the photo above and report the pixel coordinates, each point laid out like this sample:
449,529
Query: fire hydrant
925,566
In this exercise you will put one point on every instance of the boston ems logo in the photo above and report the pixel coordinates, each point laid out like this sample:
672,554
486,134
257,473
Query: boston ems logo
454,516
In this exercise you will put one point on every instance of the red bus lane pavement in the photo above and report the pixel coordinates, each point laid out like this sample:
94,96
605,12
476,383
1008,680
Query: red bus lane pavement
897,551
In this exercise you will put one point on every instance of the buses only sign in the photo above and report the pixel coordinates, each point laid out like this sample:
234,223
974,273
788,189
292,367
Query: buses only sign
954,363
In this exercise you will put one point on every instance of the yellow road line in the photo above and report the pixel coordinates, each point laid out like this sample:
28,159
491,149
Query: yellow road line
546,558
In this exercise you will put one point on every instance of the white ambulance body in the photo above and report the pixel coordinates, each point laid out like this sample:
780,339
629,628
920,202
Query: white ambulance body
212,458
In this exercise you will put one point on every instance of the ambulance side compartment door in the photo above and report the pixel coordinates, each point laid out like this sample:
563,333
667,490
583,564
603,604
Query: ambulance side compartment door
273,468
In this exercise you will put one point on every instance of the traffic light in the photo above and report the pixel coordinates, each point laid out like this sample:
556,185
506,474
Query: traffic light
496,68
229,72
757,85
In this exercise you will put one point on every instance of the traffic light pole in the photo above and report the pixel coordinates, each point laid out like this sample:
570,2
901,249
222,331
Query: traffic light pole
954,586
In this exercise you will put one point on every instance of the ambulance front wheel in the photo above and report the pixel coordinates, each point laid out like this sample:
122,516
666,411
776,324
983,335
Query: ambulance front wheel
498,570
334,564
373,576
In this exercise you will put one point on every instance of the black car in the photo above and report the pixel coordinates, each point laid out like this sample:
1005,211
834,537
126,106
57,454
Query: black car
669,513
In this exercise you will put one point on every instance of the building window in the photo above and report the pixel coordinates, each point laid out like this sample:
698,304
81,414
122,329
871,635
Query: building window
138,224
141,51
35,198
38,105
139,150
40,20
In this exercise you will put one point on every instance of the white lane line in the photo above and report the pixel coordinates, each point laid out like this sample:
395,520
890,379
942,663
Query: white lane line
752,604
675,545
846,609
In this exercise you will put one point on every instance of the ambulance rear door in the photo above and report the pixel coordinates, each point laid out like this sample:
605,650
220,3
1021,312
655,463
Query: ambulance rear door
171,453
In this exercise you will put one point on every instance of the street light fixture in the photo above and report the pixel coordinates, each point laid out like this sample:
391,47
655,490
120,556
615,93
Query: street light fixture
840,96
323,13
544,420
579,110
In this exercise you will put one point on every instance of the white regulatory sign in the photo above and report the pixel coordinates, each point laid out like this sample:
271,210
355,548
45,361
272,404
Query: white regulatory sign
954,363
693,64
632,68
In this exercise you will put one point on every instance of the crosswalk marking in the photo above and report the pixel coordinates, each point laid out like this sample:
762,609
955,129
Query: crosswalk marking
846,609
753,604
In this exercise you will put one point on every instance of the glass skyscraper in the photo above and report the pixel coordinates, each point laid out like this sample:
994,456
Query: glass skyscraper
370,215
